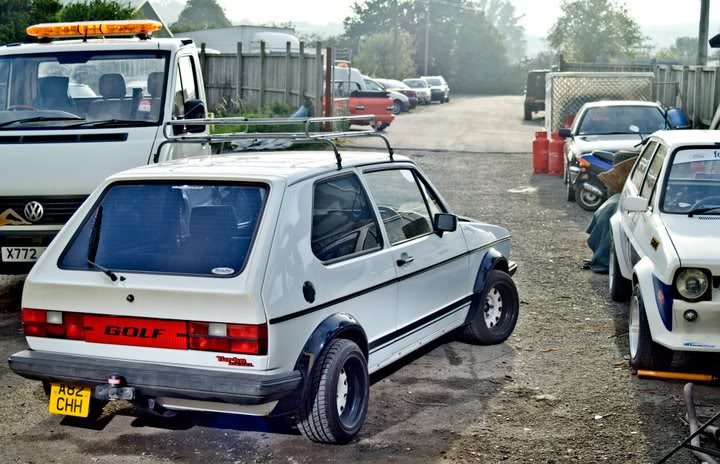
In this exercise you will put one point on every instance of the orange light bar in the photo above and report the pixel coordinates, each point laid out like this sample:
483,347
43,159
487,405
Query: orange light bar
94,28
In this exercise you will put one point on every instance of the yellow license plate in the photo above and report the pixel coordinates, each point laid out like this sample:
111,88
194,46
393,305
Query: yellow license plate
69,400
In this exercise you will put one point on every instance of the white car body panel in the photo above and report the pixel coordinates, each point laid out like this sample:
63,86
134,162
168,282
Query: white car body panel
655,245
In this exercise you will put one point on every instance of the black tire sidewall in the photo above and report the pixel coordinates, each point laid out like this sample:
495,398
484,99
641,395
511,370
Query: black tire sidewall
570,195
481,332
351,350
649,354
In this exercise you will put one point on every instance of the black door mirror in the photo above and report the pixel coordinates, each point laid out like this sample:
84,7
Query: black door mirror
565,132
444,222
194,109
715,41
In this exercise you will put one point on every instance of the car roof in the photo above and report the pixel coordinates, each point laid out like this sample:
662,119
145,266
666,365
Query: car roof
292,166
606,103
688,137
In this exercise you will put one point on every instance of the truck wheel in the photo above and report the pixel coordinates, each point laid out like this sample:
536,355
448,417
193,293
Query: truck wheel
644,352
620,287
499,308
528,113
397,107
335,409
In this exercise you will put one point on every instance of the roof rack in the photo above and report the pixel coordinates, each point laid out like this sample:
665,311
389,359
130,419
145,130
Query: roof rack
306,136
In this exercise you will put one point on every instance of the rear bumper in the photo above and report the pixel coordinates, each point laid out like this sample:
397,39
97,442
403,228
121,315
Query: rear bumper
158,380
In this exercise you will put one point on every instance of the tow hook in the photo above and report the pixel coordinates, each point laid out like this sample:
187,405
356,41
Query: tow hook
115,389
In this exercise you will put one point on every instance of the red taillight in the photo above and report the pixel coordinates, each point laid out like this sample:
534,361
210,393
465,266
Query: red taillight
238,338
34,322
74,326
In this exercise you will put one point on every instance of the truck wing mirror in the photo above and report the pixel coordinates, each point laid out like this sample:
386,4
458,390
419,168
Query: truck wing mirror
194,109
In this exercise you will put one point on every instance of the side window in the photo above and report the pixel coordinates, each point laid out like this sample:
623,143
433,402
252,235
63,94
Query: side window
185,85
654,172
373,85
4,77
642,164
402,207
343,222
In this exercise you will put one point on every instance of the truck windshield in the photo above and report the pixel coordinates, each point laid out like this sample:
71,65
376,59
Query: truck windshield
188,228
693,183
60,90
618,119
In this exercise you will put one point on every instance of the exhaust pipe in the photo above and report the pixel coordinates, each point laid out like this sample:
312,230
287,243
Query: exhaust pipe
592,189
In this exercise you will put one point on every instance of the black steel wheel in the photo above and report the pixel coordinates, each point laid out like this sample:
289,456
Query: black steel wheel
498,311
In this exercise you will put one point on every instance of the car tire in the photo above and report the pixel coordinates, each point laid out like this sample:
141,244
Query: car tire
447,99
570,191
397,107
493,324
336,405
645,354
382,126
620,287
528,113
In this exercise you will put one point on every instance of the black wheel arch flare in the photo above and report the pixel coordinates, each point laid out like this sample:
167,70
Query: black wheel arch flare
493,260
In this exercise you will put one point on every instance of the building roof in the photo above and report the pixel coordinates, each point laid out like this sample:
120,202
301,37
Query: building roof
291,165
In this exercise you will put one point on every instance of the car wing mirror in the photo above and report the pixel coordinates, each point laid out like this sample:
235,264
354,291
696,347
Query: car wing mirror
444,222
635,204
565,133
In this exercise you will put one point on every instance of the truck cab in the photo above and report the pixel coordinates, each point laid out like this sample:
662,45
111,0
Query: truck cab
74,111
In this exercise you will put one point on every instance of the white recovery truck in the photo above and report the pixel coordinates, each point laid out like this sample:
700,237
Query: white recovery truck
73,112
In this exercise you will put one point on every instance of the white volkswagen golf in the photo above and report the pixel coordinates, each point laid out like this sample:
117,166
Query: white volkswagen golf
666,248
258,284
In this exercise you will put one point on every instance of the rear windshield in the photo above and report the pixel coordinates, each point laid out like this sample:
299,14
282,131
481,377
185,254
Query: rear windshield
169,228
416,84
434,81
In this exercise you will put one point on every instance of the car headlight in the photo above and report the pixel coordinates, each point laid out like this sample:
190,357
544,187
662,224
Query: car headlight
692,284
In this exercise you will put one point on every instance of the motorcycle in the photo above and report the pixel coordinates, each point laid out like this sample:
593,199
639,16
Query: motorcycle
590,191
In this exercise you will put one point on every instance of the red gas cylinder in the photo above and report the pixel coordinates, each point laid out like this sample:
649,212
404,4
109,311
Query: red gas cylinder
555,155
540,145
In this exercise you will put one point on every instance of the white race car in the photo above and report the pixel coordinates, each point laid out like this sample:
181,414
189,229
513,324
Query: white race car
666,248
258,284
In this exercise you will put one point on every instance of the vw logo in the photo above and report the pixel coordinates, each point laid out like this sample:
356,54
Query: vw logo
34,211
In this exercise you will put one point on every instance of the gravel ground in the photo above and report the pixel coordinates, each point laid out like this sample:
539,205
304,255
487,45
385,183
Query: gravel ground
536,398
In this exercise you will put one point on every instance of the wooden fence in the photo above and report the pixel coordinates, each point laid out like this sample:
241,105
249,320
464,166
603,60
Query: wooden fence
261,78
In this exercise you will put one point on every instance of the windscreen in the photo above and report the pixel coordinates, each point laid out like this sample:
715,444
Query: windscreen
693,182
619,119
64,89
434,81
416,83
169,228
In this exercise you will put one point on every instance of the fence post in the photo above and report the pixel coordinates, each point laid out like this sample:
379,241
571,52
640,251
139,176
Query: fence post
301,72
203,62
684,87
697,116
262,74
319,79
716,90
239,71
288,72
666,83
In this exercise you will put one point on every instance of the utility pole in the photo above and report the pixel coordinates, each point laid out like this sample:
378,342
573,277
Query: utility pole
427,34
395,41
703,33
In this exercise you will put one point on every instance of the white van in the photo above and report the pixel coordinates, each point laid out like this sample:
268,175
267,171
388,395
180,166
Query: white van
57,143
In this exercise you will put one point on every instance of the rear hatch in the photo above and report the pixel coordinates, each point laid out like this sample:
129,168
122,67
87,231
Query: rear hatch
157,272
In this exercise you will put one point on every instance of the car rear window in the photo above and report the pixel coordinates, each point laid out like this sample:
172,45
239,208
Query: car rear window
185,228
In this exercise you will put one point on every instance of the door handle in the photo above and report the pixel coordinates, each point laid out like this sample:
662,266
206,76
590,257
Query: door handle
404,259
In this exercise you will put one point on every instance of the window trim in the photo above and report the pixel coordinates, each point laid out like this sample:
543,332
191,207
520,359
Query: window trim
647,171
637,163
415,176
666,176
101,197
659,177
371,204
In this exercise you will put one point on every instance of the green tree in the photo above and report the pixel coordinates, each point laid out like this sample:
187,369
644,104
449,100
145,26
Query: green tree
93,10
17,15
503,16
684,50
480,59
376,55
588,29
201,14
